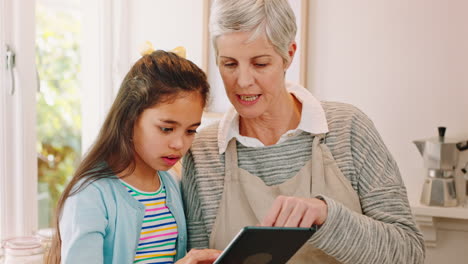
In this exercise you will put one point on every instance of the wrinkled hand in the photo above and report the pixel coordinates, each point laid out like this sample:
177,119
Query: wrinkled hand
200,256
290,211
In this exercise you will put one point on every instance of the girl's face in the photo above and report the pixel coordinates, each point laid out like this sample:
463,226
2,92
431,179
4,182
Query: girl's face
162,134
252,72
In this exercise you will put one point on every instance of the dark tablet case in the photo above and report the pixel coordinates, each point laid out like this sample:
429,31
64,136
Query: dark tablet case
264,245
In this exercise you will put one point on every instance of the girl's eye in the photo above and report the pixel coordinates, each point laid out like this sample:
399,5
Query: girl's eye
261,65
166,129
191,131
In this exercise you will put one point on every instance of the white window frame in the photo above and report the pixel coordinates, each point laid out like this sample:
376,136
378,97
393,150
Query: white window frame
18,158
105,60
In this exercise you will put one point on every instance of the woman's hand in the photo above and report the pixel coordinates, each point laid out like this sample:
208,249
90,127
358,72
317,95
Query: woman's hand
200,256
290,211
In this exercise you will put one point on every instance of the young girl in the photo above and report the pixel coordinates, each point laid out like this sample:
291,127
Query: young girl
121,206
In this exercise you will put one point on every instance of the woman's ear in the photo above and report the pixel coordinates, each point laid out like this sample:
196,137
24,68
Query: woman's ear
291,51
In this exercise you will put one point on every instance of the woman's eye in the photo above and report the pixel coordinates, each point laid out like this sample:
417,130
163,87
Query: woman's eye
166,129
230,64
261,65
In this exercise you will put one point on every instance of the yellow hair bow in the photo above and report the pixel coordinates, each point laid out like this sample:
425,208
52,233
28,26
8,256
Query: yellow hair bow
147,48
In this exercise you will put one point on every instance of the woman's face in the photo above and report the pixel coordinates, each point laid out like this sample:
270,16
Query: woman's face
252,72
162,134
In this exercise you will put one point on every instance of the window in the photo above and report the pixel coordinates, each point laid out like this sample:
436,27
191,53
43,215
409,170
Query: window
58,111
104,42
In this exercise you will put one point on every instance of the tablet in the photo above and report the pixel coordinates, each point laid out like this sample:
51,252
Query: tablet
262,245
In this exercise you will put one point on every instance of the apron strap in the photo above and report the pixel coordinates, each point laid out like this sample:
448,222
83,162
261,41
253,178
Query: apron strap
231,157
320,137
317,170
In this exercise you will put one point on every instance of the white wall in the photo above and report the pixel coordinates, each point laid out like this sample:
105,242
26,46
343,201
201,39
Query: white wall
149,20
404,63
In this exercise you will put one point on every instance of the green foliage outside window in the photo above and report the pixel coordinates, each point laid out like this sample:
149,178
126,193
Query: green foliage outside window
58,35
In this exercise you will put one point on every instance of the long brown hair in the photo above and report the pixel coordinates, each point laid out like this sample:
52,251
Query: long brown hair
155,78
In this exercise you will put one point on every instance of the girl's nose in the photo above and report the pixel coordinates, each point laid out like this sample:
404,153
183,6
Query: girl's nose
177,142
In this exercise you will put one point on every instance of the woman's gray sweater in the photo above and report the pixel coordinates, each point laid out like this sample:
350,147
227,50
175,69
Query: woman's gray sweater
385,233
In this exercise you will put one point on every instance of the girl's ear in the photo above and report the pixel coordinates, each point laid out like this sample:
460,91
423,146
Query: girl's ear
291,52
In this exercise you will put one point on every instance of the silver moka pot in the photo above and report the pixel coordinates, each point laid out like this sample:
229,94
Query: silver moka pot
465,182
440,157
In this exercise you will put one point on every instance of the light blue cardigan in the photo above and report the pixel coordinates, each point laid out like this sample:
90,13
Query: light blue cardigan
102,222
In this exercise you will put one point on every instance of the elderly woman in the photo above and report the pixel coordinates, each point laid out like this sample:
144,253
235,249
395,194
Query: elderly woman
282,158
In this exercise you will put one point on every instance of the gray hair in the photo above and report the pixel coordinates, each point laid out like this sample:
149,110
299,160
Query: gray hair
274,18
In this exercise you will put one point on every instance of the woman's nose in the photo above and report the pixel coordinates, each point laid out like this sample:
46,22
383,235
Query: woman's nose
245,77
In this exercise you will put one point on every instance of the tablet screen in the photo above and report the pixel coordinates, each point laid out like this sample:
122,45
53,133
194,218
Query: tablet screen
262,245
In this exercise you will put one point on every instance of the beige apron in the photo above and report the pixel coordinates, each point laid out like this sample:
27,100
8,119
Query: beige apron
246,199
